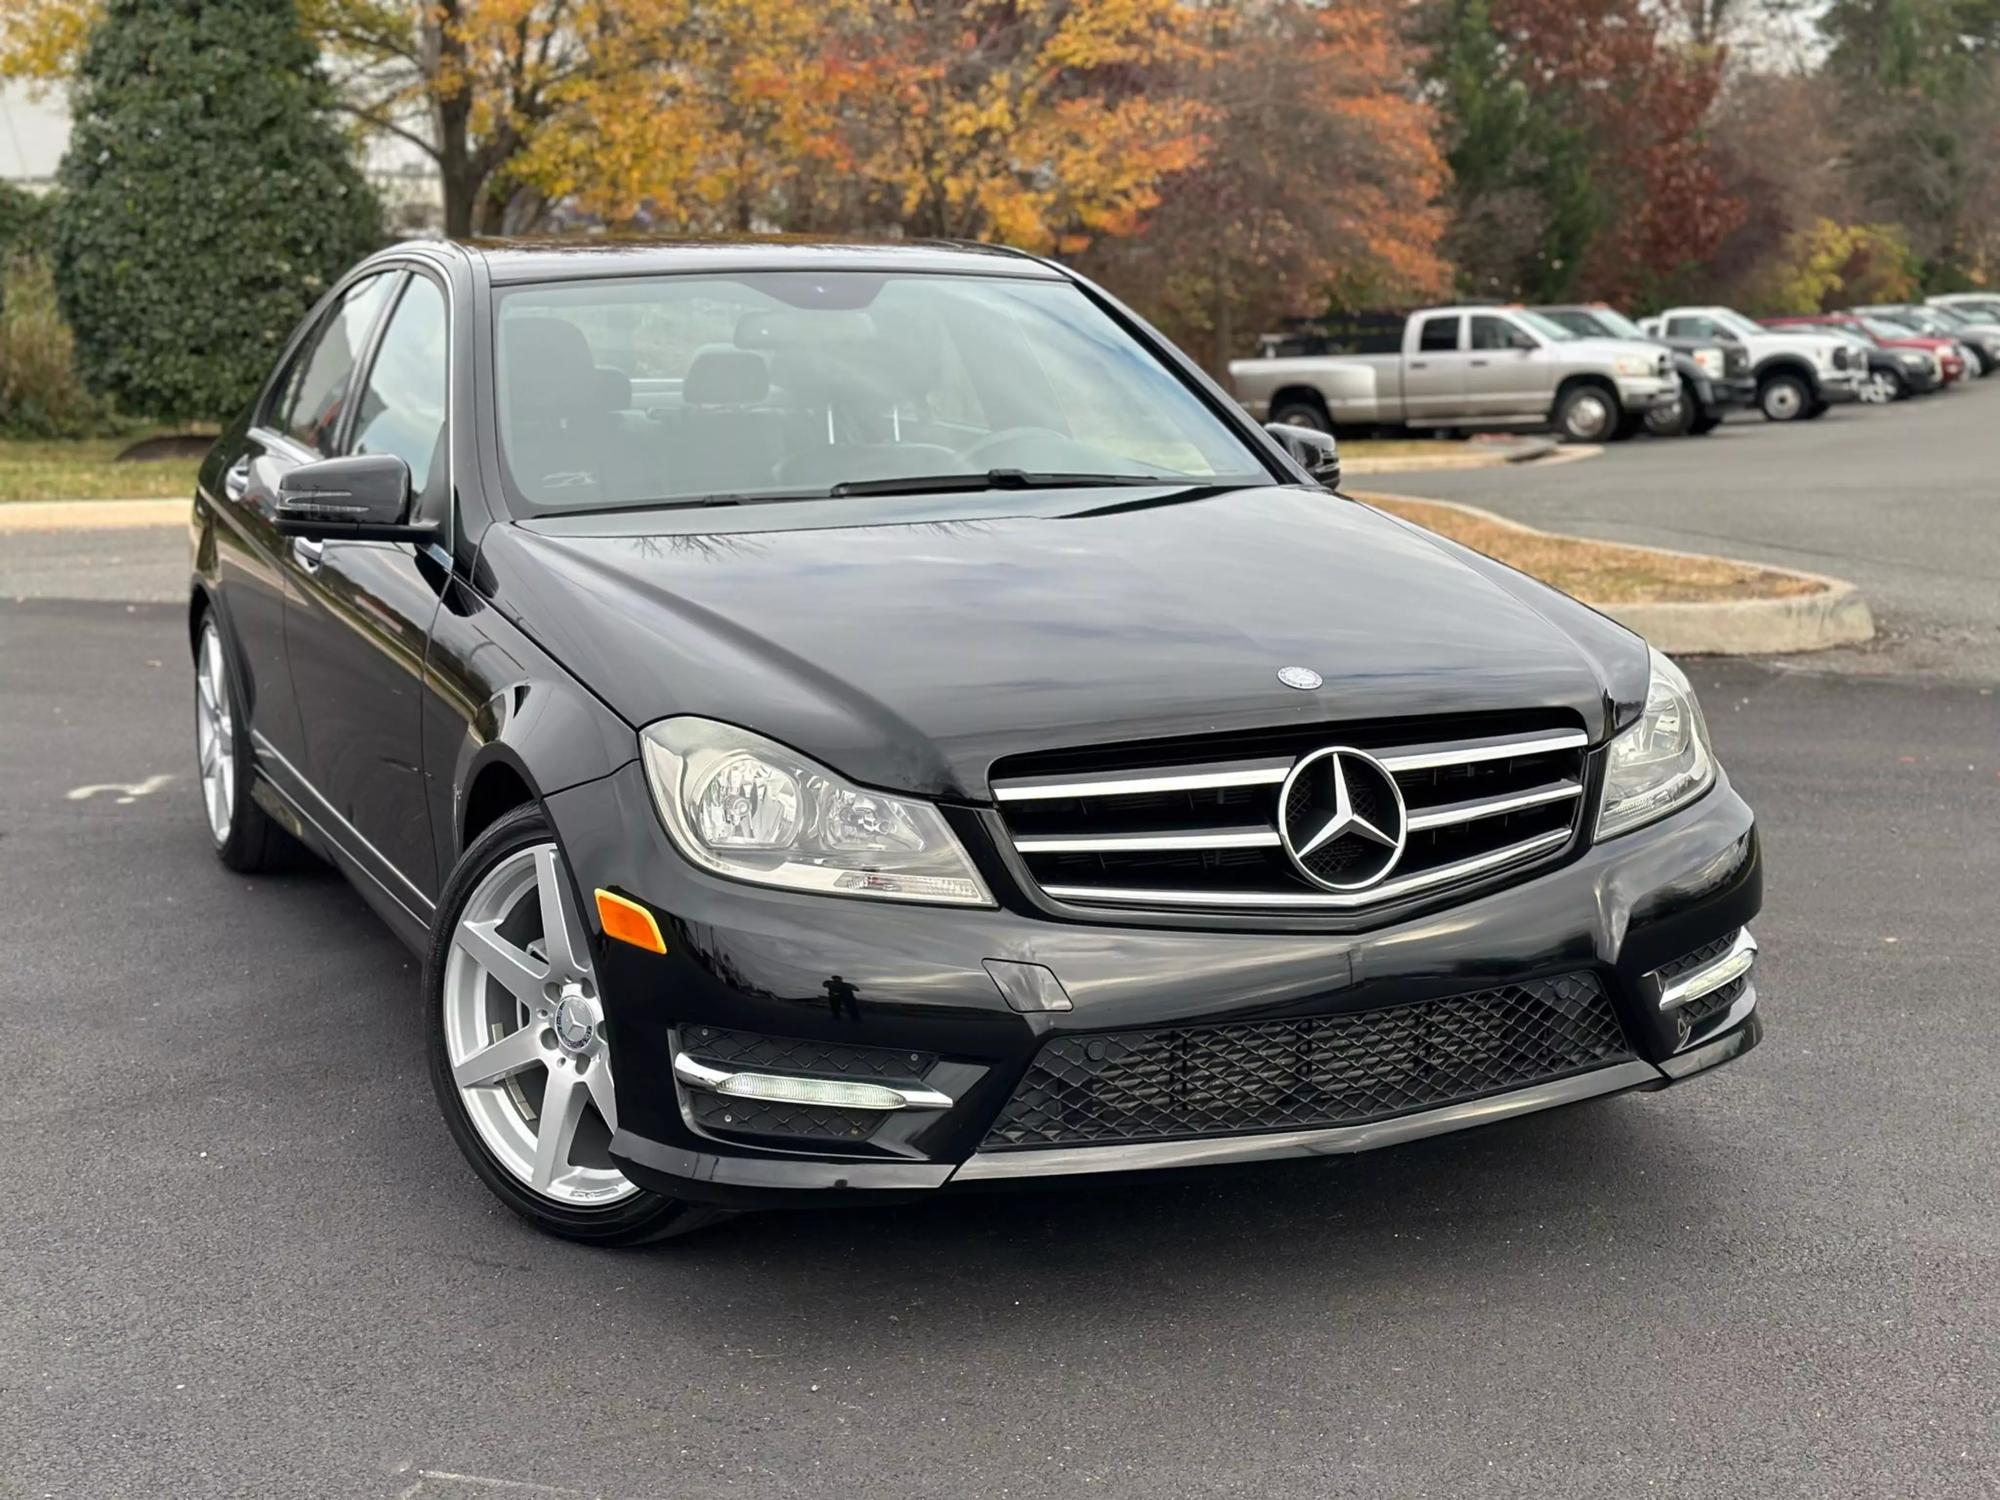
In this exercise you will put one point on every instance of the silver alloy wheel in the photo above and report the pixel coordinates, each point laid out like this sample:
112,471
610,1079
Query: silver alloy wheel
215,733
1590,416
1881,388
1784,401
524,1032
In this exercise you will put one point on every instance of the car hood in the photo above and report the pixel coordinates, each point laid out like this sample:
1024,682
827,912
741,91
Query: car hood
911,643
1607,349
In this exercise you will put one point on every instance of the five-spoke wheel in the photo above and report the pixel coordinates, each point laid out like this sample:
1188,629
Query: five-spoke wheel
521,1056
523,1027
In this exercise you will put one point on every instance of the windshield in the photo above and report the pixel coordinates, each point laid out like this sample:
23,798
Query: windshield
1883,328
1730,318
1618,325
811,384
1547,327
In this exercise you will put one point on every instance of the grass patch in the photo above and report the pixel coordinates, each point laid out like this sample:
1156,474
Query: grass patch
1600,572
87,469
1402,447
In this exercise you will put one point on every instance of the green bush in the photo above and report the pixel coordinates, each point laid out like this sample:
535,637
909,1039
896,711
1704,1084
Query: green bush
207,201
41,394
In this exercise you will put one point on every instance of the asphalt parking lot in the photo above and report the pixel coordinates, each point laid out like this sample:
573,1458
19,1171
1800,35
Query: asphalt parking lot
240,1255
1902,500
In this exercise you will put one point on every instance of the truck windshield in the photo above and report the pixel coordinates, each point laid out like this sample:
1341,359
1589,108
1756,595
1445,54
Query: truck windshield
1547,327
1735,322
812,384
1619,326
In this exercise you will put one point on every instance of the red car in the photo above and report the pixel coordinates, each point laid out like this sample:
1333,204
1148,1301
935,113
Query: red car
1948,354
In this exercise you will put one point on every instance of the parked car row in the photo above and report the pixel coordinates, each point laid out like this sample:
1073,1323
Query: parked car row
1594,375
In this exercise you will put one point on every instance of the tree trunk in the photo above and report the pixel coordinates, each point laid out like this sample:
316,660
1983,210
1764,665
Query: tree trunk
463,178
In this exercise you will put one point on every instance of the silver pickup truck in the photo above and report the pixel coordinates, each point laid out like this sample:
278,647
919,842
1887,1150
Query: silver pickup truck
1476,366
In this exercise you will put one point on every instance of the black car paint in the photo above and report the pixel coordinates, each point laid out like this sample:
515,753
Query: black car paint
397,689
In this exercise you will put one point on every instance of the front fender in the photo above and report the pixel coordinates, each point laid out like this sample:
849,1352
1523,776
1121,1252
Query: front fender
497,699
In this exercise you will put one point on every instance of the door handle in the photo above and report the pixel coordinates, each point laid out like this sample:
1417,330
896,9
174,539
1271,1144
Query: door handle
1420,364
1479,364
308,553
236,483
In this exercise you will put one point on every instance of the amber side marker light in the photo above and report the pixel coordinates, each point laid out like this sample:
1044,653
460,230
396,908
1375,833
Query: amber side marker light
629,922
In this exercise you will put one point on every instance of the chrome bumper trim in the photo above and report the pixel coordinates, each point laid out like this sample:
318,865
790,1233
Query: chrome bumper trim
784,1088
1389,890
1734,1037
1334,1140
1713,976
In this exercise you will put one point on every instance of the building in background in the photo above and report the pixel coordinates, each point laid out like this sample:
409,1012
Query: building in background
34,129
33,132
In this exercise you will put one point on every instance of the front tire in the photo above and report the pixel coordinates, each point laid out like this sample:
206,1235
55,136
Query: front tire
1783,398
244,836
520,1058
1587,414
1676,419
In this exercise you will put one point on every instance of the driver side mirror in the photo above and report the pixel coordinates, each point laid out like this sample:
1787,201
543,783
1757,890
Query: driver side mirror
365,497
1312,450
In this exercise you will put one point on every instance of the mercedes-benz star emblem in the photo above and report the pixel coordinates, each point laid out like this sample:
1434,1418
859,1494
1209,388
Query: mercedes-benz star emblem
1341,819
1305,679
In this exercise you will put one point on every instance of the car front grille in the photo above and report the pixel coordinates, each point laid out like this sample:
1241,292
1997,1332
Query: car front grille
1188,1082
1190,826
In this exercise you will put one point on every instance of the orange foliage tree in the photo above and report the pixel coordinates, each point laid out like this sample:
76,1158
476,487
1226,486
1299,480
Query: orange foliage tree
1045,123
1320,183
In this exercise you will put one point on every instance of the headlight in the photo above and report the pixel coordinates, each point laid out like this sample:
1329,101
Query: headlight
1710,361
1659,763
1635,364
1914,361
746,807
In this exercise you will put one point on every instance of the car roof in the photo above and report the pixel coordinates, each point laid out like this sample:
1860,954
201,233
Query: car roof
509,261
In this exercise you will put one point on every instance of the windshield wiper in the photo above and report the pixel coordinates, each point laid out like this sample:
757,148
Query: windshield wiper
995,479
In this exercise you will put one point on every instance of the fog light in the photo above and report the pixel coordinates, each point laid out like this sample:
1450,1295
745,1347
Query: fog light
783,1088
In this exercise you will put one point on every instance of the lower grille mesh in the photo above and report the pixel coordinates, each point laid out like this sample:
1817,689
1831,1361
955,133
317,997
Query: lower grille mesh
1327,1070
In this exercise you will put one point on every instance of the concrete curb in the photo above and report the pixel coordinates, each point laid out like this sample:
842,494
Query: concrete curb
1482,456
1834,614
92,515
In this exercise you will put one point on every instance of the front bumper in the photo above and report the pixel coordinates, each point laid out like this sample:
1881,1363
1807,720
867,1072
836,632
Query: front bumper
882,975
1641,393
1732,392
1837,386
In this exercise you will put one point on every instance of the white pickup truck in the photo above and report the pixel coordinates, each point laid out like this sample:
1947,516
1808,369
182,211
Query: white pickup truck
1797,374
1477,366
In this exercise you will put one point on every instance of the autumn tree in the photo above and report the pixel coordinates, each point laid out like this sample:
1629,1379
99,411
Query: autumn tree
1321,182
471,84
1580,128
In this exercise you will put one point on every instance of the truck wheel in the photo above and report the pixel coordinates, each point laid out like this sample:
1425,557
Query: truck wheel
1677,419
1587,414
1303,411
1783,398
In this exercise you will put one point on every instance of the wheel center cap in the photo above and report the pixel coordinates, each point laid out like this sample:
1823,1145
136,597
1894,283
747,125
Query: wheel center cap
575,1021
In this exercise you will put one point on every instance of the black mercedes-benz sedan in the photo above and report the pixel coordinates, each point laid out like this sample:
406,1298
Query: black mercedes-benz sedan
842,722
